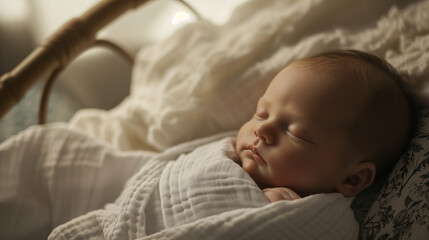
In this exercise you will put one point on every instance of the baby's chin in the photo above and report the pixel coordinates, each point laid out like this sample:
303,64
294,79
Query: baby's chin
251,168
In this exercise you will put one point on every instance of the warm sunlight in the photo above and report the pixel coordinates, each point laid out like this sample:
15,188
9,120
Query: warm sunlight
180,18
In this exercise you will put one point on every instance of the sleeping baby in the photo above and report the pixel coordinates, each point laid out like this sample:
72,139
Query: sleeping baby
323,129
325,124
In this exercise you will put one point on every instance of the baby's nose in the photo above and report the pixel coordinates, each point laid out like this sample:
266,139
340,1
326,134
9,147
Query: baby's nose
260,137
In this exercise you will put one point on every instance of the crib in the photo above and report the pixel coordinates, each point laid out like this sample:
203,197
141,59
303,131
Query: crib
206,78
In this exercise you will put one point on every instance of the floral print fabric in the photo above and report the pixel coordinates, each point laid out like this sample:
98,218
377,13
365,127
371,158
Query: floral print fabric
401,208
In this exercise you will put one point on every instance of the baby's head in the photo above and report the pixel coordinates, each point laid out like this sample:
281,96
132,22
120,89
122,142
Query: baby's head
326,123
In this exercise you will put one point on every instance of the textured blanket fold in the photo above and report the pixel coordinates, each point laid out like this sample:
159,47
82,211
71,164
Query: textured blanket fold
191,191
51,174
322,216
204,194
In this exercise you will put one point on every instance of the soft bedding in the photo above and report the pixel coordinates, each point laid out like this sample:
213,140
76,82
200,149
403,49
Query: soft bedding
191,191
49,175
203,80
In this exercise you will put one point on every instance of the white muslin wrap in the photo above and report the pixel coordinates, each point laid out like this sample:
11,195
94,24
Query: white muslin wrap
194,190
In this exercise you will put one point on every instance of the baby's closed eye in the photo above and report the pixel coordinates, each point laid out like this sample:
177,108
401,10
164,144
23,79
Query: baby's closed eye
295,138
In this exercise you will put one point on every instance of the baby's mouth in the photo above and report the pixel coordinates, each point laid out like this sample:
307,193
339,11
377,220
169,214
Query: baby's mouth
256,156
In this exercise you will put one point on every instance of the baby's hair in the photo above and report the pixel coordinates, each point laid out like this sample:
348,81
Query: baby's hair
386,125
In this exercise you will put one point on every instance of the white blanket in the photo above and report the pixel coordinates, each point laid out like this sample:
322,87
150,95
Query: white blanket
49,175
192,191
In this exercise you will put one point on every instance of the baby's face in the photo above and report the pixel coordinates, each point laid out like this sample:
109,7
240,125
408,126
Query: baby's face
298,137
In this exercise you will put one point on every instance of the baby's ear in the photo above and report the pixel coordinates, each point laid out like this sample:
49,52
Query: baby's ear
359,177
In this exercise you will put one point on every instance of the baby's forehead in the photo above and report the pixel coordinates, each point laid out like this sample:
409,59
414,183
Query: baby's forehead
347,76
333,77
335,90
341,73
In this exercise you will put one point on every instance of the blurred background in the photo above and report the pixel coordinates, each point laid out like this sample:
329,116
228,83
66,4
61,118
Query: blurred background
97,78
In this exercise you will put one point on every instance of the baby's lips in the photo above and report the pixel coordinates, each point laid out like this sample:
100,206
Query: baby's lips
256,155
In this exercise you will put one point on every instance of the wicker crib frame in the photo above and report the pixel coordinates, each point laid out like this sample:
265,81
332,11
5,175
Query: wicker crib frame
58,50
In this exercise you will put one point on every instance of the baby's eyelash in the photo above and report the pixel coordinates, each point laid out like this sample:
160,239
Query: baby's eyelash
290,135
